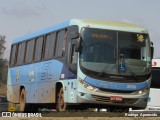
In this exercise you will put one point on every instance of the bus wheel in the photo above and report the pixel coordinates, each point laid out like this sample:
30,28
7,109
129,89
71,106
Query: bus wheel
22,105
61,105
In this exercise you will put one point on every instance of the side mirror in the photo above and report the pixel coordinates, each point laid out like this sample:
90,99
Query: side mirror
73,32
78,45
152,50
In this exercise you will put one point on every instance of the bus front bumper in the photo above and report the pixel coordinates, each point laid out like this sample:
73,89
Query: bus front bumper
105,98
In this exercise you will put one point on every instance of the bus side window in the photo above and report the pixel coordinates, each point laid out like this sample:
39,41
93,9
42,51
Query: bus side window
155,82
13,55
64,43
49,46
73,55
73,59
21,53
29,51
38,49
47,39
61,43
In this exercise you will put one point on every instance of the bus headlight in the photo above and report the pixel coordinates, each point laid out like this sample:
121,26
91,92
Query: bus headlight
139,92
88,86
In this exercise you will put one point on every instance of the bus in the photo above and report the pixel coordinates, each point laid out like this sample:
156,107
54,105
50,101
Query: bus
79,64
153,101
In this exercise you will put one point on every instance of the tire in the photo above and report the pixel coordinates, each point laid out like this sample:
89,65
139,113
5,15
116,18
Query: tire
60,104
23,107
22,100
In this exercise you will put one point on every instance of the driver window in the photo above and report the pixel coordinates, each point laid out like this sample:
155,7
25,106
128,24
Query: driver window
73,55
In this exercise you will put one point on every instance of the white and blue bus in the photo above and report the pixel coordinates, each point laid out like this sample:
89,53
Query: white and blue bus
81,64
153,101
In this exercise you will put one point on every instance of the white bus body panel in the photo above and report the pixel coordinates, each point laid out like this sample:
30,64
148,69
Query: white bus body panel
154,95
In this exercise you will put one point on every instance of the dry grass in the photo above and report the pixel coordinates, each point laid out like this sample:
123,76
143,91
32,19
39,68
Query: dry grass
3,90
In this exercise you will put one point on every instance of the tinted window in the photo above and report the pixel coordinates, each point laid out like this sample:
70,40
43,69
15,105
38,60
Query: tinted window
21,52
98,45
155,82
13,55
73,55
130,46
29,51
61,43
38,51
49,46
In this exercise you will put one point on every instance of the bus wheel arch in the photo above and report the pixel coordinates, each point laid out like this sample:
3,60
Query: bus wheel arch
60,104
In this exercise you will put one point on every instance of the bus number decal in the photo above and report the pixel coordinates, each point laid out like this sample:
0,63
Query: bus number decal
131,86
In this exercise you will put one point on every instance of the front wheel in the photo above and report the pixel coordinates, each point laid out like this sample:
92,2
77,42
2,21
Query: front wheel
61,105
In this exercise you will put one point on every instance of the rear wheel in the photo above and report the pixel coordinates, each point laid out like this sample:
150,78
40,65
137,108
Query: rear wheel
61,105
22,105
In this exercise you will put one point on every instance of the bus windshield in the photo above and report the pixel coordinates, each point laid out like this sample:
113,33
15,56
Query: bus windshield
112,52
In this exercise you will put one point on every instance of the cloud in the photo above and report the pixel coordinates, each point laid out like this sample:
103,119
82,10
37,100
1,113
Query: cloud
22,10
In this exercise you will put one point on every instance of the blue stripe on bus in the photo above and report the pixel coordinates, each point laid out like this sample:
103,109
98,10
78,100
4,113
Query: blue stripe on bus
42,32
116,86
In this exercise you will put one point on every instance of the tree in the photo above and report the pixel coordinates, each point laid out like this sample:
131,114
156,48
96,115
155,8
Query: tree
2,43
3,62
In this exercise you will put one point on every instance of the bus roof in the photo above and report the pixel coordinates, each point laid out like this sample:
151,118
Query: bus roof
120,26
155,62
41,32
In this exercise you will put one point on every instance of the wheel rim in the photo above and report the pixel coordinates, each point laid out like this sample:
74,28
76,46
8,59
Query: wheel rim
61,103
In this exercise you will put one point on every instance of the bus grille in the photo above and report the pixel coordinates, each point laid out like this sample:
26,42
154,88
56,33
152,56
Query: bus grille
129,100
101,98
107,99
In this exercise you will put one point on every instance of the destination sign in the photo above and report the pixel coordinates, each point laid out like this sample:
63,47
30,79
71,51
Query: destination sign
100,36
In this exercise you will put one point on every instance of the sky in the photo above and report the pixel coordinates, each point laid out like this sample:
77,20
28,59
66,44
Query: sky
20,17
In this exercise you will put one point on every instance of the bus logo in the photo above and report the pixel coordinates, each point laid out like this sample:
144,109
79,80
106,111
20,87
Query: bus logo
140,37
154,64
122,67
12,109
46,72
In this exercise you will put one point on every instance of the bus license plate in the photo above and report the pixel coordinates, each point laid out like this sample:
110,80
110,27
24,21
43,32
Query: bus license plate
116,99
